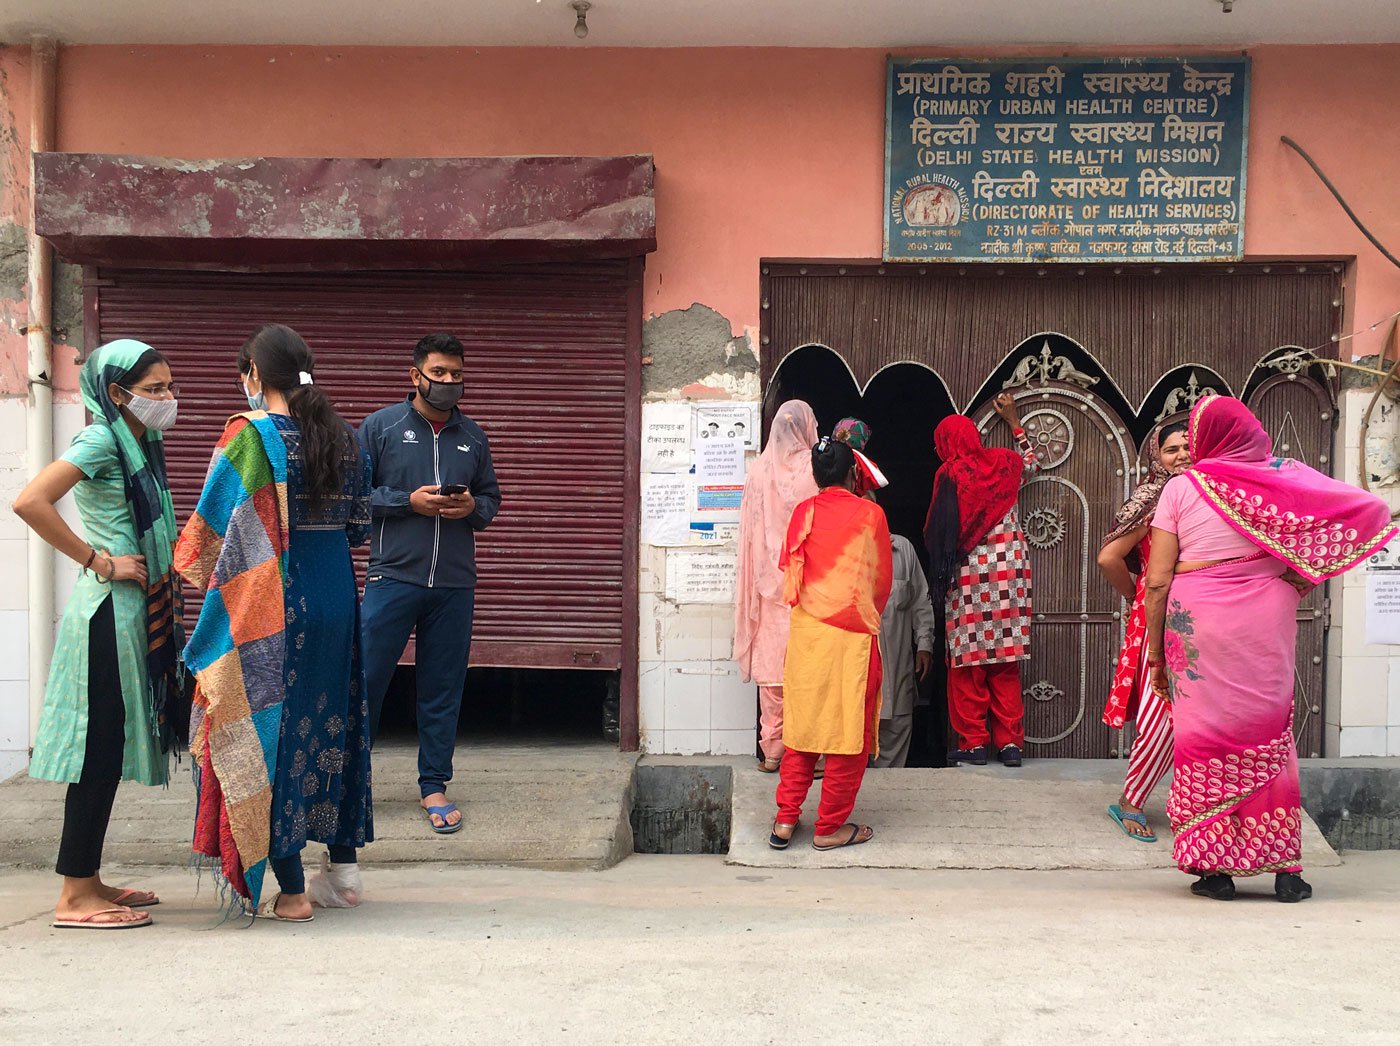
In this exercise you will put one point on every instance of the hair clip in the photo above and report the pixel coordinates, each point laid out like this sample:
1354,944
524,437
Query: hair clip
305,377
822,445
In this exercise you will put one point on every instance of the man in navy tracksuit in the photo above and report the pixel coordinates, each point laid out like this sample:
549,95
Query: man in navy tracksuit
434,488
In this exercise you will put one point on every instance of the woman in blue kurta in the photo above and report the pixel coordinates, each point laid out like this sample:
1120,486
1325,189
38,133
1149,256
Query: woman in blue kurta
320,778
109,704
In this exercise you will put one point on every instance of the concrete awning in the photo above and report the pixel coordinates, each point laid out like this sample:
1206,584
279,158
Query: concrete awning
302,212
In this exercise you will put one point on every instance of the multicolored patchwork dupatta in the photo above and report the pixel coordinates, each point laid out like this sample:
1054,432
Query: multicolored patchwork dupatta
148,493
235,548
1315,524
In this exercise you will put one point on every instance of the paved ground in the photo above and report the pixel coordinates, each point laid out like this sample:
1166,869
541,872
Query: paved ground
1048,814
690,950
537,806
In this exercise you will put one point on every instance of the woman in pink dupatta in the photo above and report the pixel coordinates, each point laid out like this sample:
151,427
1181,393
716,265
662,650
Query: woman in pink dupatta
1236,540
779,479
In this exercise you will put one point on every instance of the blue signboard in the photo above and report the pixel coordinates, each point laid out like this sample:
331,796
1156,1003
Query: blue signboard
1066,159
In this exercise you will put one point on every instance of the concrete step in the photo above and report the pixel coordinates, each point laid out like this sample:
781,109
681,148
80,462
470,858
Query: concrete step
1050,814
527,805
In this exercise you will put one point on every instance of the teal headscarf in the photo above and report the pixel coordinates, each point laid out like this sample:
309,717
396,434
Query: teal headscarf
148,492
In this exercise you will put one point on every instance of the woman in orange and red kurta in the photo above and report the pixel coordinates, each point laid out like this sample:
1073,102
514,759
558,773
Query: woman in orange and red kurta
836,564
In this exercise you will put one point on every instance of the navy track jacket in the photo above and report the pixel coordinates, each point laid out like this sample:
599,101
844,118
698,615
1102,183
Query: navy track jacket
406,454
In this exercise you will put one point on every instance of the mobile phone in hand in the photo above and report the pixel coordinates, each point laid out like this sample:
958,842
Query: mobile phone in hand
448,489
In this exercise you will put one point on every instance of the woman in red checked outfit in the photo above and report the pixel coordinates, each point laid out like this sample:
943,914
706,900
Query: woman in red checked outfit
980,572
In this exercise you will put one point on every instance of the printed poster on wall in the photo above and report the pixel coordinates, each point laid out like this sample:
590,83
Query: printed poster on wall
700,576
1066,159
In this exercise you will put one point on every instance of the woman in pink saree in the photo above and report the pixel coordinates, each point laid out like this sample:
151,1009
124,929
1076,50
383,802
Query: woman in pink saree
779,479
1236,540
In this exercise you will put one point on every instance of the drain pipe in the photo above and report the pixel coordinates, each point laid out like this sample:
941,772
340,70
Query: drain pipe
39,434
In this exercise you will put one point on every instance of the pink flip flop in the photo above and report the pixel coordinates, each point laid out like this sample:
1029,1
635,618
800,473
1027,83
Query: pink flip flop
130,898
87,922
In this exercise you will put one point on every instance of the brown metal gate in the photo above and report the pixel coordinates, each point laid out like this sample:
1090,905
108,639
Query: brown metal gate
552,377
1144,342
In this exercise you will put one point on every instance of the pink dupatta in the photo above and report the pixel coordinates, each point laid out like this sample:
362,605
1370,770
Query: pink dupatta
777,482
1317,525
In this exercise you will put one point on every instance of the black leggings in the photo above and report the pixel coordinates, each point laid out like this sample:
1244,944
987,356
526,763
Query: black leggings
88,807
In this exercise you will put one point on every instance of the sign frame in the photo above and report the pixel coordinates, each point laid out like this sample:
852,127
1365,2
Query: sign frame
894,187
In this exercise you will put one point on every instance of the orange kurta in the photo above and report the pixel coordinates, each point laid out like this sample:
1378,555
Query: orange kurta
837,575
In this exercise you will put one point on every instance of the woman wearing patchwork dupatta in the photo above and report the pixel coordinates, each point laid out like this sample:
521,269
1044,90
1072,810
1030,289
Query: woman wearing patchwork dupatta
836,577
779,479
1235,541
280,730
109,707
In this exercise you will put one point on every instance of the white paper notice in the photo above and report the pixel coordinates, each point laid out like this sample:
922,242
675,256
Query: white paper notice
727,421
666,436
700,577
666,509
719,461
1383,606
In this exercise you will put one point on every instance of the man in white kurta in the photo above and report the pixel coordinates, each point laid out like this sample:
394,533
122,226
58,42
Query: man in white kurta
906,652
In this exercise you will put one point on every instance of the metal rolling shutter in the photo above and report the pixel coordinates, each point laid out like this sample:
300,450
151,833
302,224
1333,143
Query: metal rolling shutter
546,378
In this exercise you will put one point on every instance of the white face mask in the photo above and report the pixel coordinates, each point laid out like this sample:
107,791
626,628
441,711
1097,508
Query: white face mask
156,415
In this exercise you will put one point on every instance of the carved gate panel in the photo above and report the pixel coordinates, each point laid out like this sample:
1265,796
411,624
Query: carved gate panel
1086,456
1298,414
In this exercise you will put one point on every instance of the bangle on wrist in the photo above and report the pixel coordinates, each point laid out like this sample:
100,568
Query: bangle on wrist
1156,660
111,573
1017,430
92,554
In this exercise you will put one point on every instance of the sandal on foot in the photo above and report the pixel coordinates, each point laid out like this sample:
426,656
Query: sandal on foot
1117,813
93,921
442,811
129,898
268,910
854,839
769,766
777,841
1218,887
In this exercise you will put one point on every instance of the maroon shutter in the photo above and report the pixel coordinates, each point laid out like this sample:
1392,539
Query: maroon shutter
546,379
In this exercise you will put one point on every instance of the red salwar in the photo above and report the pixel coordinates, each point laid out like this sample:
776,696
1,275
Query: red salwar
975,690
844,773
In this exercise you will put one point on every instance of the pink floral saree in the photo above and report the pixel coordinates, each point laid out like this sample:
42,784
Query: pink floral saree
1231,633
1234,802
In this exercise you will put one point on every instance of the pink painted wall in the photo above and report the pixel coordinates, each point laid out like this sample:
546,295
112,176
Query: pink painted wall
759,152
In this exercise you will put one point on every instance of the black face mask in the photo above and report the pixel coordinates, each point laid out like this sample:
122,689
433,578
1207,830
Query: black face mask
441,395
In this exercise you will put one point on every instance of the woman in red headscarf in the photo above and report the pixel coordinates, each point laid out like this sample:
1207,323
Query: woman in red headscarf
980,572
1235,541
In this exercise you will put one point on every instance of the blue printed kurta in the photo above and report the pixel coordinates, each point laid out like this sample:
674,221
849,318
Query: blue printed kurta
321,791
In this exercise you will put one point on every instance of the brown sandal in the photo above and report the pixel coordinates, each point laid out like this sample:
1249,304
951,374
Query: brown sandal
94,920
769,766
854,839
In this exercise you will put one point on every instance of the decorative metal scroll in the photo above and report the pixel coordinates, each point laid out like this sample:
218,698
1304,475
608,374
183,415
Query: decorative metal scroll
1046,367
1184,397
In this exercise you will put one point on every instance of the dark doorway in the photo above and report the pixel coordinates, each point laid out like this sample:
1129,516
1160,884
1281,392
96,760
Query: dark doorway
554,706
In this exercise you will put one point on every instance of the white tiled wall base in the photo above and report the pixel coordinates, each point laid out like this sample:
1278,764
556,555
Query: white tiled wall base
14,598
697,707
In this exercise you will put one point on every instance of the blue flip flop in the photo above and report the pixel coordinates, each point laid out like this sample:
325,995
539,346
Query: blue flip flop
442,811
1116,812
